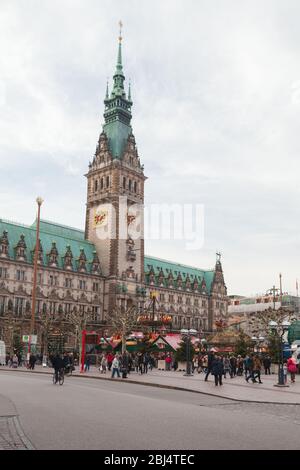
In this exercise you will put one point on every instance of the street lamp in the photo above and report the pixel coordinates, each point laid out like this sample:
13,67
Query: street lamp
187,334
39,202
258,340
280,329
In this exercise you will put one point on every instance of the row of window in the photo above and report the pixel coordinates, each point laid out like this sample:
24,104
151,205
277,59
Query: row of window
20,306
53,280
163,298
101,184
129,184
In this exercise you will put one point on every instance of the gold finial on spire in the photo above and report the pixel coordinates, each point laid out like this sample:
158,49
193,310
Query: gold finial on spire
121,26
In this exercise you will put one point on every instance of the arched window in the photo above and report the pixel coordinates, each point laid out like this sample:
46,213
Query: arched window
124,182
135,186
130,184
107,181
96,185
102,183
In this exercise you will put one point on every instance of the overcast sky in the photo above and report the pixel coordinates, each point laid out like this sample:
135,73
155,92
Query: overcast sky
216,90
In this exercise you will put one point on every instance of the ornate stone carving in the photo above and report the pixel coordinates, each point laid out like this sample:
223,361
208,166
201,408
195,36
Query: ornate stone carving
131,254
82,261
21,249
53,256
40,254
96,264
68,259
4,244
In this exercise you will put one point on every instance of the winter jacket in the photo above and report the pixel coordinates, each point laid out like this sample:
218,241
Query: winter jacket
291,365
256,364
217,367
115,363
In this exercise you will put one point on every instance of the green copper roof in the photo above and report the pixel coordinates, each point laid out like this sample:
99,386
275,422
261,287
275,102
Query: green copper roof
117,114
168,267
49,233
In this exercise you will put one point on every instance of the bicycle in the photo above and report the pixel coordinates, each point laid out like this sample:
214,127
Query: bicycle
61,377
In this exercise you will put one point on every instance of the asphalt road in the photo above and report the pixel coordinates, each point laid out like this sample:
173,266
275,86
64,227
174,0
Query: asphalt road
94,414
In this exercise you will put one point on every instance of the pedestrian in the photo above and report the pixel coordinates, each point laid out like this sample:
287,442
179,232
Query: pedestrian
217,369
200,364
32,361
267,365
210,359
87,363
136,363
233,363
130,363
248,368
124,361
240,364
292,368
115,366
140,363
256,369
145,362
110,358
226,365
168,361
103,364
15,361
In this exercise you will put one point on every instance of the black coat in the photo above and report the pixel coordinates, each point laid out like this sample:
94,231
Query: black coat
217,367
57,363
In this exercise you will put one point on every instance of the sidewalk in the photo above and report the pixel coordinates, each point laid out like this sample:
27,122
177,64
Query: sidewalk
235,389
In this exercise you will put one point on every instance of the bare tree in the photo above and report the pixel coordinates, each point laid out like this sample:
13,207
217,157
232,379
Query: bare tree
46,323
79,321
259,324
123,321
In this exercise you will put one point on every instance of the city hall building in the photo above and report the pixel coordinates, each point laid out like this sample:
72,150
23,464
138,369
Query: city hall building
92,271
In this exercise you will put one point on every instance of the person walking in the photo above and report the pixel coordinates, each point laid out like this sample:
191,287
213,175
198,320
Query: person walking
103,365
115,366
292,368
226,366
200,364
145,362
110,358
15,361
233,363
256,369
240,364
140,363
168,361
136,363
248,368
267,365
210,360
32,361
124,364
87,363
217,369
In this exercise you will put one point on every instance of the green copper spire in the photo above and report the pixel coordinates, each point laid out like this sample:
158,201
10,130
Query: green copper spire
117,112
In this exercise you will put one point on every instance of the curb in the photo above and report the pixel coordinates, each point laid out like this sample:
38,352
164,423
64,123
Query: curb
168,387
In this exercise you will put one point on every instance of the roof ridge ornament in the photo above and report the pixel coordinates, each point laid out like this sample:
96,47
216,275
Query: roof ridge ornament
120,35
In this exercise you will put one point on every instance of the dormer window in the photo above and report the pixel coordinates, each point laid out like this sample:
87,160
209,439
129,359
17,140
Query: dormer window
21,249
4,245
53,256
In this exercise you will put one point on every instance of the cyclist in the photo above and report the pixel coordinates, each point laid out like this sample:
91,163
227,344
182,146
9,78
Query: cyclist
58,365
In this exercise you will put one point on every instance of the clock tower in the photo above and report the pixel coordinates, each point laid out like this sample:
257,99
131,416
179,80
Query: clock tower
115,197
